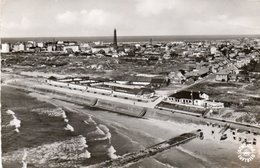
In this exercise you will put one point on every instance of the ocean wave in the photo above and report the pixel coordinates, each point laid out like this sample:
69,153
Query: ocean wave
99,131
58,154
194,155
10,112
57,112
164,164
111,152
69,128
90,120
120,130
105,131
14,122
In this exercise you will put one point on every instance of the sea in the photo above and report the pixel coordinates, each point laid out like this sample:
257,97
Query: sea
39,131
107,39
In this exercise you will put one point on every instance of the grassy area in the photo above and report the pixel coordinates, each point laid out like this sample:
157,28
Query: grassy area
235,96
85,65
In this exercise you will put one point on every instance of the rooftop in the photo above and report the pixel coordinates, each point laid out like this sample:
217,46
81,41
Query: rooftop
187,95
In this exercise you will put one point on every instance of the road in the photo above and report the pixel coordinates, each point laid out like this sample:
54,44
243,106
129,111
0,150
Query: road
184,87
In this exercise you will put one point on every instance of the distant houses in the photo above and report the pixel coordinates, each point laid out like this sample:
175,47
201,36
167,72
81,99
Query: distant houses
222,75
147,81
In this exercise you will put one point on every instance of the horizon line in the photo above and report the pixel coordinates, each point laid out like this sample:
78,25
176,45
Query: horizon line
132,35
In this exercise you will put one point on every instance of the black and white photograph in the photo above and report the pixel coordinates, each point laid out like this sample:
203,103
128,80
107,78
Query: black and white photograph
130,83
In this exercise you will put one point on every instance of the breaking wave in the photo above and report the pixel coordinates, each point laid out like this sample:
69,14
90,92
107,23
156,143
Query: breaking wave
14,122
111,152
90,121
10,112
57,112
58,154
24,159
105,131
69,128
99,131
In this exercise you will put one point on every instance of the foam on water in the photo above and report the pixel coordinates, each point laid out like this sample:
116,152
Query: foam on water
164,164
194,155
57,154
14,122
57,112
90,121
99,131
69,128
24,159
105,130
10,112
111,152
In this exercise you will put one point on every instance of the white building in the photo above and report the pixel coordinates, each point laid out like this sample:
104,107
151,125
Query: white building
196,99
5,48
50,48
213,50
21,47
75,48
15,47
96,49
40,44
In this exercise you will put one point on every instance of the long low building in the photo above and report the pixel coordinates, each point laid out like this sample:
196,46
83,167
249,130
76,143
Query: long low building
190,98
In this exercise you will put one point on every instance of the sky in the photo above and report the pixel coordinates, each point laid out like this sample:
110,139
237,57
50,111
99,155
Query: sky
58,18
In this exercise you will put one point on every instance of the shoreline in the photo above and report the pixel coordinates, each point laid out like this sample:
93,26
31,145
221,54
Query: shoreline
105,103
134,128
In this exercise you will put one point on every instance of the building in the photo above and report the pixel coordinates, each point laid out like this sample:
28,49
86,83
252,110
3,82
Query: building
193,99
159,82
21,47
40,44
15,48
188,97
213,50
98,48
222,75
5,48
50,48
74,48
18,47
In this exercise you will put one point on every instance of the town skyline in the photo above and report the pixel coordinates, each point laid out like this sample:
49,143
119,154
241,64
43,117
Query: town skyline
55,18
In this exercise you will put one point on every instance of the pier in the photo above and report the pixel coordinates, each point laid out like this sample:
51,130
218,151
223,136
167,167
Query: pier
131,158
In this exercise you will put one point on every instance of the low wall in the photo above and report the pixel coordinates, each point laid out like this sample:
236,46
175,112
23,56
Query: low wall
86,100
121,108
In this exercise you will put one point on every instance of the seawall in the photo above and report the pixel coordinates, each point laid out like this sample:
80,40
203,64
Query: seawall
94,100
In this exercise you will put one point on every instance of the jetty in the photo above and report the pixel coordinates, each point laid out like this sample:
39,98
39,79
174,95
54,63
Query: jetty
134,157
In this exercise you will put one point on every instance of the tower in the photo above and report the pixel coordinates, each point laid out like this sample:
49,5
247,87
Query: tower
115,39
